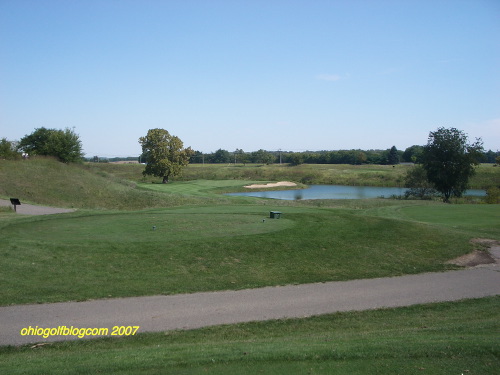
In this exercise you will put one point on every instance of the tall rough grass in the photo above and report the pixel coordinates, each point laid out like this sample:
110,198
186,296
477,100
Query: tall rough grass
47,181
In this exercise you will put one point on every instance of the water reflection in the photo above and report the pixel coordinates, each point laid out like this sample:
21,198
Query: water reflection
336,192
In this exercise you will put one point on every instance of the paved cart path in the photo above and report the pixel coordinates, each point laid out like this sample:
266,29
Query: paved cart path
31,209
187,311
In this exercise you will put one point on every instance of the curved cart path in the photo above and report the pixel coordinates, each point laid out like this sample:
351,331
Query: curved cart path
30,209
187,311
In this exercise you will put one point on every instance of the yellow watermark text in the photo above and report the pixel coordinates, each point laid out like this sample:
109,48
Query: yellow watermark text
46,332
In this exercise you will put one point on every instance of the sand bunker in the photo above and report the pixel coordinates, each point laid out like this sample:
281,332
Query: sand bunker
271,185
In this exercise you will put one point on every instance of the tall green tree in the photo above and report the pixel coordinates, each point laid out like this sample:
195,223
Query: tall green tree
413,154
65,144
221,156
449,161
240,156
8,150
262,156
165,154
393,157
296,158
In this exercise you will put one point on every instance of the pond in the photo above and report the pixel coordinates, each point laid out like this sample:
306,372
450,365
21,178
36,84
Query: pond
336,192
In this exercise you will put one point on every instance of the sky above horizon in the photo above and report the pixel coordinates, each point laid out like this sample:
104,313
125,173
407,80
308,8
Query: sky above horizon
293,75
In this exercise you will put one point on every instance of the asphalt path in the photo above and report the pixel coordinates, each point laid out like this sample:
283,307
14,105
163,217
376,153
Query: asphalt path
188,311
31,209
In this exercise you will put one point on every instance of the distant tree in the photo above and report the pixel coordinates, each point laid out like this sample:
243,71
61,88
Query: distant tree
361,157
493,195
196,157
497,160
393,157
221,156
8,150
417,184
489,157
164,154
240,156
296,158
263,157
450,161
413,154
65,144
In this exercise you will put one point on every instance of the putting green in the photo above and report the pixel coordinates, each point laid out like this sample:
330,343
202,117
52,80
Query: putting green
145,226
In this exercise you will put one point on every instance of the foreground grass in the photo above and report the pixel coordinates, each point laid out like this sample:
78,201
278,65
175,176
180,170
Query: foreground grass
444,338
105,254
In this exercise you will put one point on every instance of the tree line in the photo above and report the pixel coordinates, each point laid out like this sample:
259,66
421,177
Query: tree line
65,145
392,156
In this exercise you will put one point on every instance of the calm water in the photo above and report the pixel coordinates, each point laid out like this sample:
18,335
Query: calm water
335,192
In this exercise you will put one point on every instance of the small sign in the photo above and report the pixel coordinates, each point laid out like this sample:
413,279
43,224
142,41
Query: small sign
15,202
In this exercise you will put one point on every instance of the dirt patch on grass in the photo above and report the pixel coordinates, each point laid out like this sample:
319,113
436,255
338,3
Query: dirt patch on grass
489,253
271,185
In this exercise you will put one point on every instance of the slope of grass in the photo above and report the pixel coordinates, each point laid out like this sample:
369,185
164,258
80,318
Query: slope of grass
481,220
474,220
444,338
48,182
209,248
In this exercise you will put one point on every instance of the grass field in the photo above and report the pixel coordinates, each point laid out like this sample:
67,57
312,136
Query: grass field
102,254
337,174
202,241
445,338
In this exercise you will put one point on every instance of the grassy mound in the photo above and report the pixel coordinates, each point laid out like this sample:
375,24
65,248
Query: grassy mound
105,254
48,182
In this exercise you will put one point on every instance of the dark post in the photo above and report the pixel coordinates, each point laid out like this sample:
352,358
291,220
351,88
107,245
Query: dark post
15,202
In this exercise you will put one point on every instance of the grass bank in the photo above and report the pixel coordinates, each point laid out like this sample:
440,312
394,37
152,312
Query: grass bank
48,182
444,338
105,254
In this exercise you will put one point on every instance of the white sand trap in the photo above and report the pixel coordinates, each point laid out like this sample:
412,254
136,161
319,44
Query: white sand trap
271,185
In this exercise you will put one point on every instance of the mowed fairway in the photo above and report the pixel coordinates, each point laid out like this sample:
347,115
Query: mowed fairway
87,255
479,219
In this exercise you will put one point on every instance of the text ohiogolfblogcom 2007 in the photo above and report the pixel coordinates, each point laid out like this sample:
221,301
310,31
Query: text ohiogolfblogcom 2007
78,332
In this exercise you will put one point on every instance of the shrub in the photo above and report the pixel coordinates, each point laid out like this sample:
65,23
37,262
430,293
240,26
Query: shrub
493,195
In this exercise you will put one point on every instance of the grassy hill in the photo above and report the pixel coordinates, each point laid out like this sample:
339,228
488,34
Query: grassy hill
49,182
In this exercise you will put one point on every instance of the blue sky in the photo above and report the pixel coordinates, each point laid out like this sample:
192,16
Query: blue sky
271,74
